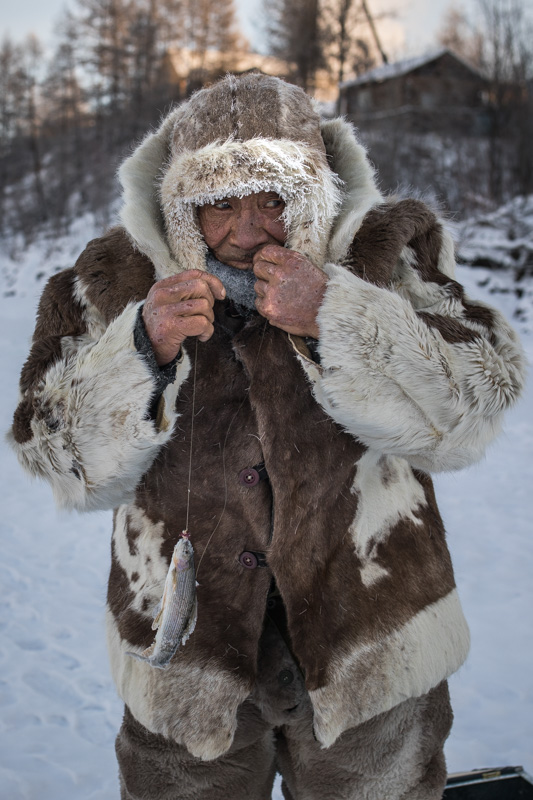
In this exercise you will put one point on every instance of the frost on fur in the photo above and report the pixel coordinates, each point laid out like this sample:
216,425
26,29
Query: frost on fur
292,170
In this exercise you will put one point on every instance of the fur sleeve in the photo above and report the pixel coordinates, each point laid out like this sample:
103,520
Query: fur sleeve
410,366
82,422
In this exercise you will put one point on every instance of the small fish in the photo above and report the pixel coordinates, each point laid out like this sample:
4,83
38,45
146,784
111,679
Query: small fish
175,615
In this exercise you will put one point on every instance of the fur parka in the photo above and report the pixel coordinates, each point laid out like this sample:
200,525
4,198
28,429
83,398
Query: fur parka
411,377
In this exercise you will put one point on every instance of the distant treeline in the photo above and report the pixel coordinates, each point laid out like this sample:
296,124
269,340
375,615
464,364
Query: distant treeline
67,120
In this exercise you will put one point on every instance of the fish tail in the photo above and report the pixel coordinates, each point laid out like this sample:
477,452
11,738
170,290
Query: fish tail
151,661
146,655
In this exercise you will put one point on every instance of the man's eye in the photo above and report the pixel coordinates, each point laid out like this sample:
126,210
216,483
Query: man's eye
276,202
222,205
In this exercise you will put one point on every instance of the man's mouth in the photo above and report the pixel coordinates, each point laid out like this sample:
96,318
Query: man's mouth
242,264
247,258
242,260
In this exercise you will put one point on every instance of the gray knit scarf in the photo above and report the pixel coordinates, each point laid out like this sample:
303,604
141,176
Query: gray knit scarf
239,283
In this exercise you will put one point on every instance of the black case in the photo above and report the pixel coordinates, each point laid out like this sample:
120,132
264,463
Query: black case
499,783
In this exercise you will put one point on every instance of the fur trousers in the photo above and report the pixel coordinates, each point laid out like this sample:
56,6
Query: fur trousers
397,755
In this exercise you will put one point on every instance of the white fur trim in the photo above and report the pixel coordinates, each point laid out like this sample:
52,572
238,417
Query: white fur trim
141,214
349,160
396,385
298,174
91,439
202,719
406,663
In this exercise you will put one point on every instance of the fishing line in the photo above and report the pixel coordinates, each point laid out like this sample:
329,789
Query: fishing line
254,365
192,433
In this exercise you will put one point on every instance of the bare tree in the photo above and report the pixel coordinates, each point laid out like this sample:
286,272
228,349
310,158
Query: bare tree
104,85
500,45
338,35
12,89
295,35
458,34
507,59
210,25
351,41
65,120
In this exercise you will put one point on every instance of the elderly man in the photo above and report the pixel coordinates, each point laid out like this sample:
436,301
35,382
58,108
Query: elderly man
272,355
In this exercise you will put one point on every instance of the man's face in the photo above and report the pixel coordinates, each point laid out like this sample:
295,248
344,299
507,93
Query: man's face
236,228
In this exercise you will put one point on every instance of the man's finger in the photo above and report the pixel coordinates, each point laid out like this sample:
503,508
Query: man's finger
169,315
196,306
216,285
174,281
184,327
260,288
264,270
188,290
203,337
259,304
271,252
179,277
169,295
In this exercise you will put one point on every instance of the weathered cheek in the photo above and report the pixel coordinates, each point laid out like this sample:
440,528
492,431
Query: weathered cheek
276,229
213,231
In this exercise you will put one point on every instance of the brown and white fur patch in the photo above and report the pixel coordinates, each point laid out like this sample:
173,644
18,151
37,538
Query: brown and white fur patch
387,492
405,663
93,466
160,700
396,384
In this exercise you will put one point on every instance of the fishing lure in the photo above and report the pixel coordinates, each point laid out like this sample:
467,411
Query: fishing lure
175,615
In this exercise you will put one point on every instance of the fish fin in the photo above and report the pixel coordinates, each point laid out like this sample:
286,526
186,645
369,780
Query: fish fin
191,624
158,610
157,615
145,655
148,653
164,665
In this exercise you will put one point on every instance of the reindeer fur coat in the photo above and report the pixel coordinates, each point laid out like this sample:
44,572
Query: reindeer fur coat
411,377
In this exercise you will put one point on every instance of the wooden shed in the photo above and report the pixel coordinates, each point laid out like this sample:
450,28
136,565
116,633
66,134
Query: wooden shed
437,92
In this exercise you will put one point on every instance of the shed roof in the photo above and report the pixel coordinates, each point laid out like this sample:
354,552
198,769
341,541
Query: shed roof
386,72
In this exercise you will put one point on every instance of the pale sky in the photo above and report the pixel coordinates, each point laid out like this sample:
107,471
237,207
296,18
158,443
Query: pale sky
412,32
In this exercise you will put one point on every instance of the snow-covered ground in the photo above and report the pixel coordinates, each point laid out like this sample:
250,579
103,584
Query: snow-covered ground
58,709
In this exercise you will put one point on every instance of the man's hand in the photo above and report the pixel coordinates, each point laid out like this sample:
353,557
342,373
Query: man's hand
289,290
180,306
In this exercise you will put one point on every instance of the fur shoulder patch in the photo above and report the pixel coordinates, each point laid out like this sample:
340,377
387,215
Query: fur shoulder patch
113,273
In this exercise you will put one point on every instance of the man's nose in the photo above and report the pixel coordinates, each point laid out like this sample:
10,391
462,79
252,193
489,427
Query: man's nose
248,230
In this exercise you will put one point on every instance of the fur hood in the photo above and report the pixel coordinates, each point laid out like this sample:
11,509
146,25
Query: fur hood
241,136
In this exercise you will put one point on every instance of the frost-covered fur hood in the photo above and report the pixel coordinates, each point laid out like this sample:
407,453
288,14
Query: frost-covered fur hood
240,136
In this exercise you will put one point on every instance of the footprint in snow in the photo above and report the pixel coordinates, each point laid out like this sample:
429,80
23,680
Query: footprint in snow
93,726
62,660
53,687
30,644
57,719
